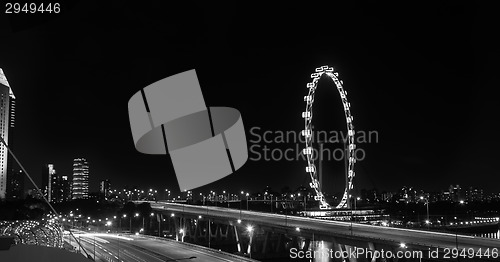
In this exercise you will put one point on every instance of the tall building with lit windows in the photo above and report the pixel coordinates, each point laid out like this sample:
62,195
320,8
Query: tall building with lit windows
49,181
7,116
80,179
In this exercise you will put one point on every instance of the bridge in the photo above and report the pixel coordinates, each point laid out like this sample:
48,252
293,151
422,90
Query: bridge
31,240
266,235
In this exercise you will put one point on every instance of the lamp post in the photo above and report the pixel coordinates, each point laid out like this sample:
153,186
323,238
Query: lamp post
227,197
124,216
428,221
461,202
241,199
250,232
247,200
271,203
136,215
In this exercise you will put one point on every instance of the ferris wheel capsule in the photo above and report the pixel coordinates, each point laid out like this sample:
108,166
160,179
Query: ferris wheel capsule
307,151
323,207
306,132
314,75
319,198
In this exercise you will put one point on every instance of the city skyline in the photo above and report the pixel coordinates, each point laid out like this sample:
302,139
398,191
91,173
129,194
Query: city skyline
427,94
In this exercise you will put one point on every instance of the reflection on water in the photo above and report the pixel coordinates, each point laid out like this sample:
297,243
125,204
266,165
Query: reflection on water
489,235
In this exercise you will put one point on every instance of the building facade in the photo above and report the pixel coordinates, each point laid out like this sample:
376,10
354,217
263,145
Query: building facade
104,187
80,179
6,120
15,184
49,181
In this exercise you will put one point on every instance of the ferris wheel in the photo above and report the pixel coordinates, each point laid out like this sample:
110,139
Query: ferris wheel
309,152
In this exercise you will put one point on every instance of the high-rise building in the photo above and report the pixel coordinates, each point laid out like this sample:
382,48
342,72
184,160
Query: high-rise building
15,185
455,193
80,179
474,194
7,117
104,187
65,189
49,181
60,189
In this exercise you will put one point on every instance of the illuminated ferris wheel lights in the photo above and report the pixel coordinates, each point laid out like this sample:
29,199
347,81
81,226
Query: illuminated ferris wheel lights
307,151
319,198
315,75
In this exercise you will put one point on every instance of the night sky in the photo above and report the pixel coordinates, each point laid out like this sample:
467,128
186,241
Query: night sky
425,78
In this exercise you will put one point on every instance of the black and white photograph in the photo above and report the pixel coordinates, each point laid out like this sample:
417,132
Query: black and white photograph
138,131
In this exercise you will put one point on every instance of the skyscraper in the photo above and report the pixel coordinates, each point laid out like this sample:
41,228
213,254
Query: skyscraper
49,181
64,193
80,178
6,120
15,184
104,187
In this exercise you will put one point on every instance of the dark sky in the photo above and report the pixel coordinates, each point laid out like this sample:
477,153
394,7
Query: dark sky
425,78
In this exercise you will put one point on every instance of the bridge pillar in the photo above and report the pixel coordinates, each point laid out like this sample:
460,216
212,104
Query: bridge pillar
371,247
265,242
237,237
307,243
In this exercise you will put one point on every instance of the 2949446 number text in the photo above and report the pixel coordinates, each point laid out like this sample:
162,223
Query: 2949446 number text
32,8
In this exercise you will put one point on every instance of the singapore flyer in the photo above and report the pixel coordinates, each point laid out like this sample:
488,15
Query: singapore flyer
308,151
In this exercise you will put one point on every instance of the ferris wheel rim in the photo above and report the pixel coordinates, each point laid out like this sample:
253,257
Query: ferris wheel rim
308,134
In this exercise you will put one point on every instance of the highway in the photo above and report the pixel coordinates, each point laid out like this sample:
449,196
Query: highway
126,248
408,237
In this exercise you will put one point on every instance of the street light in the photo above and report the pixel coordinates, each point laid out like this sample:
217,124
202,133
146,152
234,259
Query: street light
247,194
250,232
241,199
428,221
